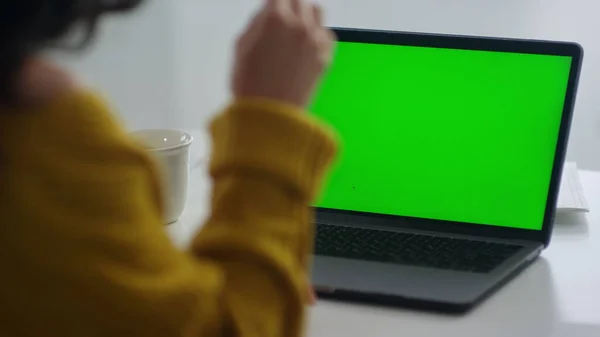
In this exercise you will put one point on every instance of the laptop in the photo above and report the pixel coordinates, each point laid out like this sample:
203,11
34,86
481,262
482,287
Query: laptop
450,166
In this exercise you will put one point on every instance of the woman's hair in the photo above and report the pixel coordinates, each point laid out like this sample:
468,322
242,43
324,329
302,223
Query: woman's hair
30,26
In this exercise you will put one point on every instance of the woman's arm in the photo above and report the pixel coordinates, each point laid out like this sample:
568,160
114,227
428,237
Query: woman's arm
85,246
88,235
267,165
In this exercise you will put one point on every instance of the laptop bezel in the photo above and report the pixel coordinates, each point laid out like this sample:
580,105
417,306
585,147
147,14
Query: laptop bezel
573,50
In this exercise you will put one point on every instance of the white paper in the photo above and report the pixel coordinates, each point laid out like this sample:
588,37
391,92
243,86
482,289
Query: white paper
571,197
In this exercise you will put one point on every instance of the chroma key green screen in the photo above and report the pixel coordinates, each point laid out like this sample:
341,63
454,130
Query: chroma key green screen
445,134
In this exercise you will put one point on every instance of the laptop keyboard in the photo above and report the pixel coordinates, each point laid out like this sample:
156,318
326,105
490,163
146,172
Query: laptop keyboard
411,249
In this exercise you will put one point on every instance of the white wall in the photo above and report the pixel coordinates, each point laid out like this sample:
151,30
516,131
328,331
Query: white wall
167,66
133,61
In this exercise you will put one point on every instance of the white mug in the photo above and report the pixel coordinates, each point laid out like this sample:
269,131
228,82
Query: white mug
171,149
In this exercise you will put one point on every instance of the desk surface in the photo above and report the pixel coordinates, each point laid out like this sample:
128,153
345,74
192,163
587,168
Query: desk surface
558,296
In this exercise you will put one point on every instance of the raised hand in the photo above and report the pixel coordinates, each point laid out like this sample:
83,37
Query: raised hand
283,53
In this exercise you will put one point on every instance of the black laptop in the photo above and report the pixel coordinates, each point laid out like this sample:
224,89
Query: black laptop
448,177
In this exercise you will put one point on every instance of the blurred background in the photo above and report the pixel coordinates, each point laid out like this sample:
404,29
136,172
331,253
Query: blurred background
167,65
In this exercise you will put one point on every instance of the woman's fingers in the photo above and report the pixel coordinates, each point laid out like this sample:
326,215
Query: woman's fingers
326,44
305,14
280,6
312,296
317,13
296,6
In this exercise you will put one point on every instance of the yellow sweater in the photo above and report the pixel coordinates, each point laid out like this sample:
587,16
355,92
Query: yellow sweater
83,251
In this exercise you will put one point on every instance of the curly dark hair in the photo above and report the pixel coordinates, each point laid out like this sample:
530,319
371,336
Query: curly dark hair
30,26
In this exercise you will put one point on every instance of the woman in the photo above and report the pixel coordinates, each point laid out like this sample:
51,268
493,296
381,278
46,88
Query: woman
82,247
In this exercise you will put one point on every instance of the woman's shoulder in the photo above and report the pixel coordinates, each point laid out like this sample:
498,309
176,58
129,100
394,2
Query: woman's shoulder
74,142
51,106
75,119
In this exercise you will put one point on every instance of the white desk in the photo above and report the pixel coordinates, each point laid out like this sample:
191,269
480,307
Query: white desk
558,296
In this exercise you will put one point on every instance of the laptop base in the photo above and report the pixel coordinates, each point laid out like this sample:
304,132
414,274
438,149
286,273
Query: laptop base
413,287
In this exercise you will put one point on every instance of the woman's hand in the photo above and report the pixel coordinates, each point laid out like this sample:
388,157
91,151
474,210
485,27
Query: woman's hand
283,53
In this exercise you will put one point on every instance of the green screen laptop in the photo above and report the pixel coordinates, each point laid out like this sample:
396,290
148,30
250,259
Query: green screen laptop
452,149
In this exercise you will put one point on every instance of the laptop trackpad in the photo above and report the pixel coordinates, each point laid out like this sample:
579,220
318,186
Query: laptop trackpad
399,280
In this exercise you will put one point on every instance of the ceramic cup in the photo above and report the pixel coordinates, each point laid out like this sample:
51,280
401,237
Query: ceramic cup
171,149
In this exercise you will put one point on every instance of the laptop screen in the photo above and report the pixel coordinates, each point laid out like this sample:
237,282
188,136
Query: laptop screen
447,134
